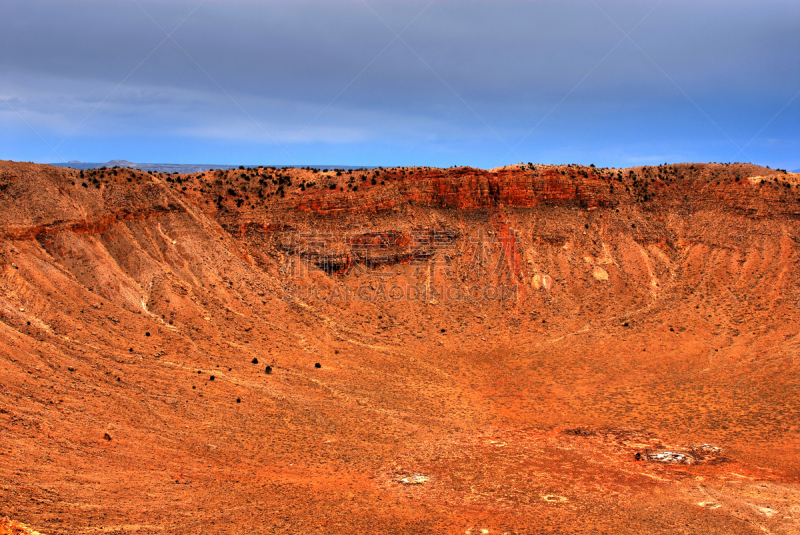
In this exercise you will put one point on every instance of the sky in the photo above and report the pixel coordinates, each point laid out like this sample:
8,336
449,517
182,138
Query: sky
412,82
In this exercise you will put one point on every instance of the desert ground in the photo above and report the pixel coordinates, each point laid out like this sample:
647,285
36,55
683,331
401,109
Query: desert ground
531,349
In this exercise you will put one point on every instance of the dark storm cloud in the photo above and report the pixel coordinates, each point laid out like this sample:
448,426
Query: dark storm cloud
461,72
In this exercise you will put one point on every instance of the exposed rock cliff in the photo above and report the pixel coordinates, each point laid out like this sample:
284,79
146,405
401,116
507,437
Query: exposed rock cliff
462,319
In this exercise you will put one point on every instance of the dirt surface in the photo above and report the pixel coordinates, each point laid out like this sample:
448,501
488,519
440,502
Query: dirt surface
531,349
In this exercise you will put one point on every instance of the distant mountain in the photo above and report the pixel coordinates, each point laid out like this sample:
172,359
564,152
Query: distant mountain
156,167
182,168
121,163
796,171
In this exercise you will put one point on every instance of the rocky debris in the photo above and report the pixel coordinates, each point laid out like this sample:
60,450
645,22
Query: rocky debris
708,454
580,432
416,479
707,449
631,442
702,454
670,457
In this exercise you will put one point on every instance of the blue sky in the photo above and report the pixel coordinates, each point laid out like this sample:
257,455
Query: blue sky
438,83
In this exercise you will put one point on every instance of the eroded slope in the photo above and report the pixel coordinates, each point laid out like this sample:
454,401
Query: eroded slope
495,349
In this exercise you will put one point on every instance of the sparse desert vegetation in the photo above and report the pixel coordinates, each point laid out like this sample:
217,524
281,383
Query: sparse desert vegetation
404,350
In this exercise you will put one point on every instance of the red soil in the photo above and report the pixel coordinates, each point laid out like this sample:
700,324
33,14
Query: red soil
495,348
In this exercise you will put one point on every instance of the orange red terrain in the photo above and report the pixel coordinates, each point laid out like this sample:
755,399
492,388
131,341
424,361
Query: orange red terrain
531,349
